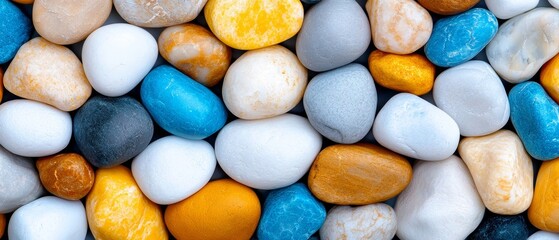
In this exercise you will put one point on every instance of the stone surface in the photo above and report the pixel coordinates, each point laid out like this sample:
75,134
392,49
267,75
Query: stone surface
524,43
399,26
117,209
543,235
505,9
533,115
554,3
33,129
254,24
117,57
66,175
2,224
474,96
448,7
173,168
24,1
223,209
264,83
502,228
412,73
460,38
48,73
196,52
110,131
268,153
341,103
49,218
334,33
290,213
413,127
501,169
544,210
369,222
180,105
1,84
16,28
358,174
159,13
68,22
441,202
549,78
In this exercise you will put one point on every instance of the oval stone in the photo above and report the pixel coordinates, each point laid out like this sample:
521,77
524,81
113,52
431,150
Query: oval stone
505,9
543,235
180,105
502,227
554,3
549,78
448,7
158,13
16,30
371,222
544,210
66,175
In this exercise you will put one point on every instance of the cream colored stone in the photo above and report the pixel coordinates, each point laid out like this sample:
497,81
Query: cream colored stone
159,13
369,222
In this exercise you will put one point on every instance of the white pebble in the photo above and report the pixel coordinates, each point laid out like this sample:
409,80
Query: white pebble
543,235
505,9
369,222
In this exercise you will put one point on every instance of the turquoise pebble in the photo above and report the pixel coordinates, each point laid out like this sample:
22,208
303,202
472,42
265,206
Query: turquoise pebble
15,30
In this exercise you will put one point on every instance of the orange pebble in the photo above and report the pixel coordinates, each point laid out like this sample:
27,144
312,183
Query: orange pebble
223,209
2,224
549,77
544,210
24,1
448,7
66,175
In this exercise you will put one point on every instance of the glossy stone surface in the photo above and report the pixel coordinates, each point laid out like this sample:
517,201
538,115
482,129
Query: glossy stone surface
369,222
66,175
549,78
16,30
502,228
505,9
158,13
544,210
448,7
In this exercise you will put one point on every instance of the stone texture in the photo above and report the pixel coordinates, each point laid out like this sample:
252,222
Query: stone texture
66,175
505,9
158,13
16,30
554,3
544,210
369,222
502,228
2,224
448,7
549,78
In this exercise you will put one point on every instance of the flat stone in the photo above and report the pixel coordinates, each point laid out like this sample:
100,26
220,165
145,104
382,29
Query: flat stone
543,235
448,7
371,222
502,228
158,13
505,9
544,210
66,175
16,30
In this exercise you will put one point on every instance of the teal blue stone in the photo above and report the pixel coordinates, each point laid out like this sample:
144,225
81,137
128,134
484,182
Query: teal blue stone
458,39
180,105
15,30
290,213
535,116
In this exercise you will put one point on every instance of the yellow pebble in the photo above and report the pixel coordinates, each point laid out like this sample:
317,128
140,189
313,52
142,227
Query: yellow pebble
549,77
544,210
411,73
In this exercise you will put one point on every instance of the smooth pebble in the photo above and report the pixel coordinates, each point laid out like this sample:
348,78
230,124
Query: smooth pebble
505,9
2,224
499,227
549,78
543,235
158,13
544,210
554,3
369,222
448,7
66,175
15,31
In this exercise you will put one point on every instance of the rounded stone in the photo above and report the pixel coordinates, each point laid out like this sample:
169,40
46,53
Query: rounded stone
1,84
358,174
223,209
341,103
264,83
110,131
502,227
334,33
158,13
544,210
180,105
2,224
23,1
543,235
117,209
48,73
369,222
196,52
66,175
68,22
117,57
16,30
268,153
505,9
554,3
448,7
549,78
173,168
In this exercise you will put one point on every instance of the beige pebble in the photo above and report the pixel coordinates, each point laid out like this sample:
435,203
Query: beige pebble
158,13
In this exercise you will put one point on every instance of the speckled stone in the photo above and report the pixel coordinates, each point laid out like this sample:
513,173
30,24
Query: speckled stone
544,210
15,30
498,227
158,13
448,7
66,175
369,222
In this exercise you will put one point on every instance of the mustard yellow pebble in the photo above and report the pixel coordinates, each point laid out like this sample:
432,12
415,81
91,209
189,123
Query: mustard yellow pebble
412,73
549,77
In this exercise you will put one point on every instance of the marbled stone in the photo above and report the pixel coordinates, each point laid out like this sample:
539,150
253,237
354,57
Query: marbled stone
498,227
158,13
15,30
66,175
448,7
544,210
505,9
369,222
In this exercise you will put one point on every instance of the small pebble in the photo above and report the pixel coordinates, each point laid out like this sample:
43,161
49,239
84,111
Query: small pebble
110,131
223,209
49,218
448,7
505,9
554,3
543,235
369,222
496,227
15,30
66,175
2,224
549,78
341,103
544,210
264,83
290,213
158,13
358,174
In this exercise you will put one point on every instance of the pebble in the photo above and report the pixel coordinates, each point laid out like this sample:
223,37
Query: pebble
16,30
543,235
268,153
1,84
110,131
49,218
524,43
415,128
264,83
533,115
48,73
334,33
341,103
554,3
290,213
441,202
223,209
459,38
448,7
474,96
33,129
358,174
66,175
196,52
158,13
117,57
369,222
173,168
544,210
399,26
2,224
412,73
14,194
502,228
502,171
117,209
248,25
68,22
24,1
549,78
197,111
505,9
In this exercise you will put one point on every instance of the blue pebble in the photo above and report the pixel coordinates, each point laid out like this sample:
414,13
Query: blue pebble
290,213
535,116
497,227
457,39
15,30
180,105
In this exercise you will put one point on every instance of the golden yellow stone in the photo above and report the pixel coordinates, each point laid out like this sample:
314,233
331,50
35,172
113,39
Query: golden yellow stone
549,77
544,211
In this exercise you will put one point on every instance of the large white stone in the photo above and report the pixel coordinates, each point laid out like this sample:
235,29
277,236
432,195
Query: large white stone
505,9
370,222
554,3
543,235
